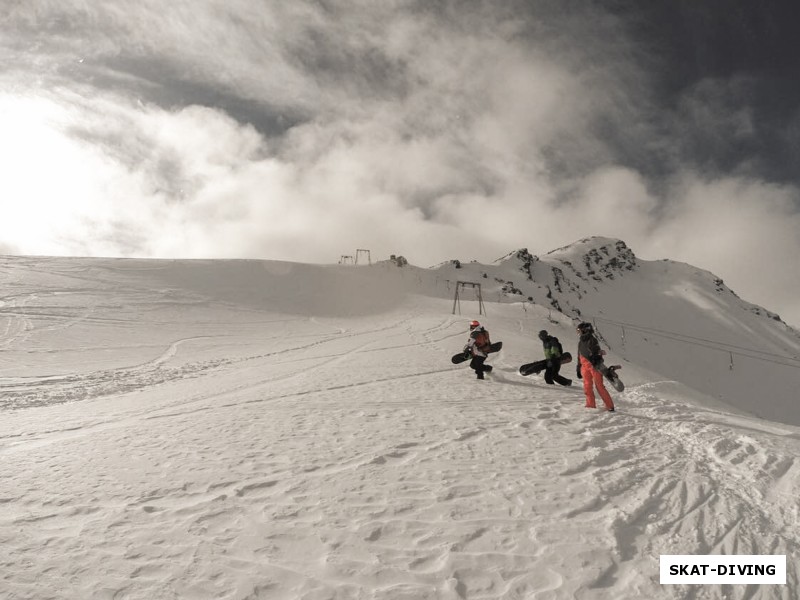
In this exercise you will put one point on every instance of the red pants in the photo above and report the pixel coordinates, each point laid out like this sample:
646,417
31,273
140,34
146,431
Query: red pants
593,378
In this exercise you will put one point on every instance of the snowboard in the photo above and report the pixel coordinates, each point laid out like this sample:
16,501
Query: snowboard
459,358
610,373
537,367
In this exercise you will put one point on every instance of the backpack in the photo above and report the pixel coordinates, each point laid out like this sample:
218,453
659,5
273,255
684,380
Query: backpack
482,339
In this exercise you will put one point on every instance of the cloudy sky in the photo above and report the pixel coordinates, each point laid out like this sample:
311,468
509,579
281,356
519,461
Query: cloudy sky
465,129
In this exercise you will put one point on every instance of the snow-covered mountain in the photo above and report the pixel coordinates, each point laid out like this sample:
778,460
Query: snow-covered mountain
260,429
671,319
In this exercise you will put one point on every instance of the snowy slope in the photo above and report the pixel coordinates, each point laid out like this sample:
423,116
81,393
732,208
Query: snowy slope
247,429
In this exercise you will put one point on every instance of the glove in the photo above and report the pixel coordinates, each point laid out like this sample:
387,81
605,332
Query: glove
578,371
595,359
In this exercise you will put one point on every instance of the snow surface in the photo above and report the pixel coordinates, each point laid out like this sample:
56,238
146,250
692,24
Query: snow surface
246,429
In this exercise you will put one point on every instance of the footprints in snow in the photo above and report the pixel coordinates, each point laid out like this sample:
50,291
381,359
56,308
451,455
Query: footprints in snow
45,391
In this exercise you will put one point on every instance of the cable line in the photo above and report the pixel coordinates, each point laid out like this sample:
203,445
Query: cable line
711,344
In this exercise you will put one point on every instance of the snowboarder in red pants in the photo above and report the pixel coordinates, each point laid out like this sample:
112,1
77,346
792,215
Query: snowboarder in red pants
589,356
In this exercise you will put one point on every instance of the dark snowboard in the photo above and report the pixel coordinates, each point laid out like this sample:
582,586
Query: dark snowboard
610,373
537,367
461,357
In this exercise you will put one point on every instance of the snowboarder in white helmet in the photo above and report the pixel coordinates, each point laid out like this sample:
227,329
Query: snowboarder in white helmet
477,347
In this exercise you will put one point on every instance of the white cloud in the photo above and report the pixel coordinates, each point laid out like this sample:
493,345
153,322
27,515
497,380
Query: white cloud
434,133
745,231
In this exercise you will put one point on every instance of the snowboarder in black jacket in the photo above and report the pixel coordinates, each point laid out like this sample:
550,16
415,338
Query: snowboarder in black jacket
552,354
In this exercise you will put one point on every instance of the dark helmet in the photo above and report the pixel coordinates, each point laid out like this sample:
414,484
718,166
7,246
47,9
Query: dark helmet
543,335
474,324
585,327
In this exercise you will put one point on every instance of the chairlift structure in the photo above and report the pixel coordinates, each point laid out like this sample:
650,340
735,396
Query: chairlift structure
460,285
360,255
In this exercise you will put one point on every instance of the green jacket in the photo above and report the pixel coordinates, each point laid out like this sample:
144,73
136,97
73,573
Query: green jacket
552,347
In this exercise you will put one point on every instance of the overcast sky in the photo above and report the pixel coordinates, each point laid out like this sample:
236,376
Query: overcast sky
304,130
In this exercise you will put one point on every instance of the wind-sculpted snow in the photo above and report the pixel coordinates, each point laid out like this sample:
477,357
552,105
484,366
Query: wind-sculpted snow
158,441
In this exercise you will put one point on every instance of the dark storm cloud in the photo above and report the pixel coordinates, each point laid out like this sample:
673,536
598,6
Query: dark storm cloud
726,81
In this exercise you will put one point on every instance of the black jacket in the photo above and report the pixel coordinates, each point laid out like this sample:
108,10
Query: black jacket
589,348
552,347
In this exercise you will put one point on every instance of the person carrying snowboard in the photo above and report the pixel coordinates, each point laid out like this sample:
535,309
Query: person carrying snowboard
477,347
552,354
590,357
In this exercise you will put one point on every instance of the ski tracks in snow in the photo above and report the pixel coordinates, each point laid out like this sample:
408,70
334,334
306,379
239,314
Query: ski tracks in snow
660,477
357,462
33,391
674,479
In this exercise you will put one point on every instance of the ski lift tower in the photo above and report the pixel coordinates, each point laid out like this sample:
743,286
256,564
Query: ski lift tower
460,285
361,251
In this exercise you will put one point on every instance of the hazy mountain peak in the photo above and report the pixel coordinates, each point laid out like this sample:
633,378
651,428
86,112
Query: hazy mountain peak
596,258
594,244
